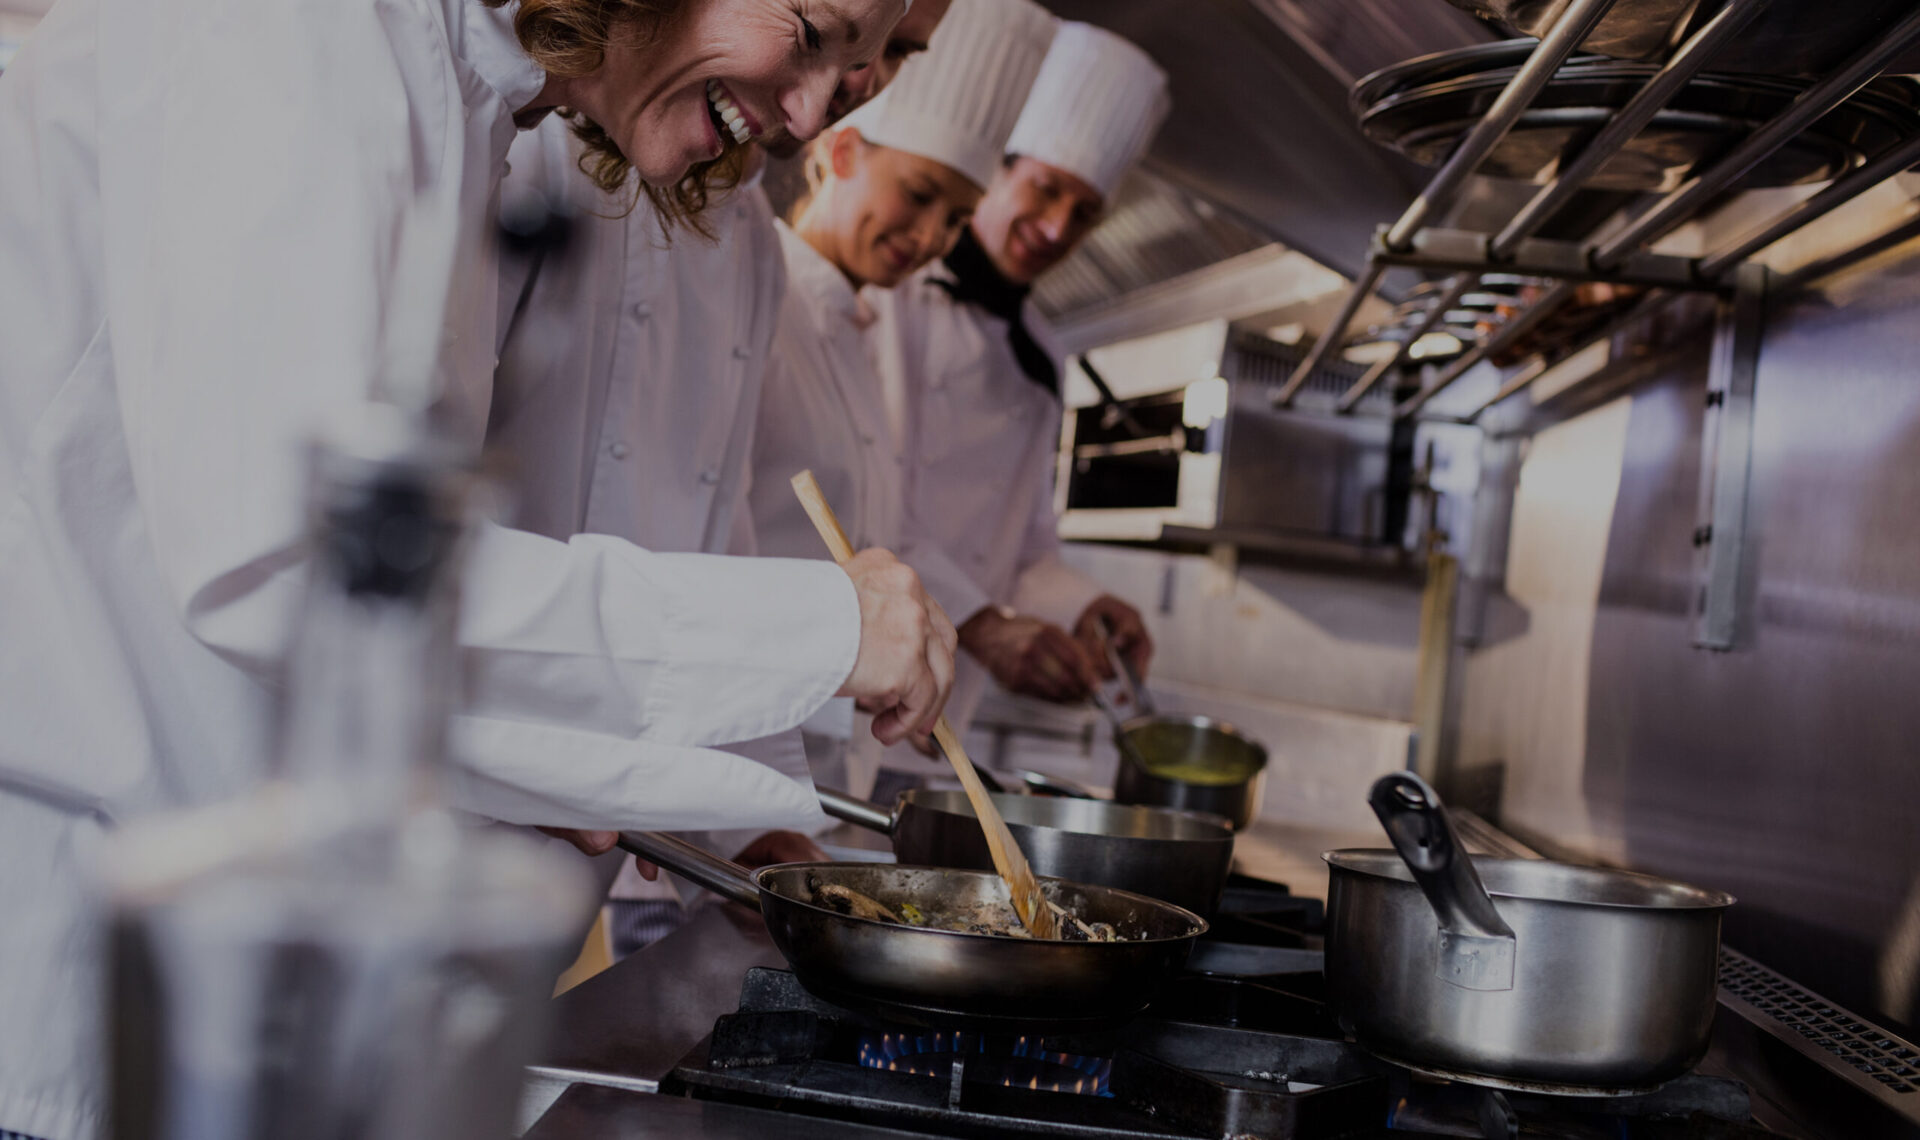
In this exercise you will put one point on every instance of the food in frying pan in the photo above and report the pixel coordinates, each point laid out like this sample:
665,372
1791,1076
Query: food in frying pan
997,918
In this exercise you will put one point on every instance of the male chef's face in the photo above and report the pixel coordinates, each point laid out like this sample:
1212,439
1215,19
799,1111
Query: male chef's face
910,37
727,72
888,212
1033,216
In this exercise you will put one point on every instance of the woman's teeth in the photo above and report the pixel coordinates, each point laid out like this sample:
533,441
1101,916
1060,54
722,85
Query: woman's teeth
725,110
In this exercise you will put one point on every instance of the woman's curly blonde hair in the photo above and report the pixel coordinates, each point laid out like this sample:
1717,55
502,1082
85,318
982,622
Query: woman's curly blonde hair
570,38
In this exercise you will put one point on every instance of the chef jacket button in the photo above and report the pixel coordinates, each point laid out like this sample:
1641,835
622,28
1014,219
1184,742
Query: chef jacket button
642,310
939,382
709,476
926,461
1019,413
619,451
741,352
866,437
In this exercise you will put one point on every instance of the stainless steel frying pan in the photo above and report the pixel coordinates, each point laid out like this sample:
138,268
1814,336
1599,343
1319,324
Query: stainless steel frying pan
943,978
1181,857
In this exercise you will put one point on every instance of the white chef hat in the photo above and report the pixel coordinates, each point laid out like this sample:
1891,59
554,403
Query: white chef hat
1094,108
956,102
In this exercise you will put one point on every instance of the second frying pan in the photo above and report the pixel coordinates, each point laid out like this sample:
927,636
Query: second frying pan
1181,857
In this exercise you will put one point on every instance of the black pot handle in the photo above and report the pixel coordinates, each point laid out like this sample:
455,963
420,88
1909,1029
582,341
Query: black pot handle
859,812
1477,946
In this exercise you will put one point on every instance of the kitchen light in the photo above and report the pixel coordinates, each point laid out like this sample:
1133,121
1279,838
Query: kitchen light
1206,401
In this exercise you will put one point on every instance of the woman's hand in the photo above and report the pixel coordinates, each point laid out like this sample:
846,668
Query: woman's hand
1128,634
1030,656
904,671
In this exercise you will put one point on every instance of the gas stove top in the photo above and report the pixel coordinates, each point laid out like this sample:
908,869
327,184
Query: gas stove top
1216,1056
1241,1046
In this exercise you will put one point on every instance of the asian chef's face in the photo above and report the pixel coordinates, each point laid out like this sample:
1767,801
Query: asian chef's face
723,73
886,212
1033,216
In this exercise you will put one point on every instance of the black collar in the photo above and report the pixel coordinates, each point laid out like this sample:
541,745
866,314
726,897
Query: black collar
976,281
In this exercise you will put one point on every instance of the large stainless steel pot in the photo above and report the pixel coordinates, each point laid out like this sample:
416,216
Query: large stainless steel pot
1181,857
1194,763
1517,973
943,978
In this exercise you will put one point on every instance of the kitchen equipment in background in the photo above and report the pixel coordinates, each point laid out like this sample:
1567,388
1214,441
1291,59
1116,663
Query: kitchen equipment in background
1551,977
1180,857
1423,107
948,978
1191,762
1008,859
1221,464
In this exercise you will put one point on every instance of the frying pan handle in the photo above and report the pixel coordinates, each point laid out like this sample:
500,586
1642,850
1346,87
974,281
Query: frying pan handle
859,812
1476,944
718,875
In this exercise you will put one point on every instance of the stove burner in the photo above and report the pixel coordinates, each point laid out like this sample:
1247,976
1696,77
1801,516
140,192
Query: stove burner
1021,1063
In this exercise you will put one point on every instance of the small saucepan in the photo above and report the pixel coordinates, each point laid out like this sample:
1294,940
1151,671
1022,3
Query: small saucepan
1517,973
1195,763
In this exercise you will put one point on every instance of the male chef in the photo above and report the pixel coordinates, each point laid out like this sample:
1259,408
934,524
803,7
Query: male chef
976,390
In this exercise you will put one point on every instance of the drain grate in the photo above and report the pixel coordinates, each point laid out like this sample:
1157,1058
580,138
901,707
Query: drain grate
1893,1062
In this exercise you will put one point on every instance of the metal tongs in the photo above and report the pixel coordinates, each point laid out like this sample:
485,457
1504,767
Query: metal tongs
1134,691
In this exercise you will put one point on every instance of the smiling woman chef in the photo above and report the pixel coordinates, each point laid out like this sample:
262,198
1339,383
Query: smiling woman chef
896,183
201,206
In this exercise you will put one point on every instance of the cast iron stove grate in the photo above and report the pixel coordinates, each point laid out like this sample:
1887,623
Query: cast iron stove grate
1152,1080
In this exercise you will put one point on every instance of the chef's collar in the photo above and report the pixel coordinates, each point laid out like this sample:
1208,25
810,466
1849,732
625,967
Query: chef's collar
820,281
484,37
973,279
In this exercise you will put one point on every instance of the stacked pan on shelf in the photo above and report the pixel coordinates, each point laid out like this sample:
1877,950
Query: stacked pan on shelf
1424,106
1477,314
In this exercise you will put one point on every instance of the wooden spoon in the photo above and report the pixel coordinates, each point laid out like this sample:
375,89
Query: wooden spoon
1008,859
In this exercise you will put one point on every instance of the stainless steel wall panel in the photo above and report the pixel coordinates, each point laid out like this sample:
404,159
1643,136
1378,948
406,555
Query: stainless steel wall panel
1788,770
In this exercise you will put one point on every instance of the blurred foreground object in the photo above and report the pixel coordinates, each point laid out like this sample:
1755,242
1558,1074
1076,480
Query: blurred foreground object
334,955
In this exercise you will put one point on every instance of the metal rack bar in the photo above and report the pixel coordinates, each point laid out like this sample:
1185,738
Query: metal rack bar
1315,356
1628,121
1541,365
1456,287
1678,207
1579,18
1513,330
1813,271
1834,195
1573,25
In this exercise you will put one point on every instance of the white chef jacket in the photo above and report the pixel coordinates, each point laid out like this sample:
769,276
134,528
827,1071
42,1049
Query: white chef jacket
629,379
200,205
822,410
983,440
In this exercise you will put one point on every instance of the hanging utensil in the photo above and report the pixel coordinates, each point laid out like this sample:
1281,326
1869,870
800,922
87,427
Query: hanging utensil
1136,689
1008,859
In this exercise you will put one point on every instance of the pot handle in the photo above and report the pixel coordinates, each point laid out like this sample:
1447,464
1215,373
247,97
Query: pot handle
718,875
860,812
1476,945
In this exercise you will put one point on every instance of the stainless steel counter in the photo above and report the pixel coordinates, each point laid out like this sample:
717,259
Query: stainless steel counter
617,1114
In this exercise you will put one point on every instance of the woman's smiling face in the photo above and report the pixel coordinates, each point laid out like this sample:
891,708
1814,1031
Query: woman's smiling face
721,73
886,212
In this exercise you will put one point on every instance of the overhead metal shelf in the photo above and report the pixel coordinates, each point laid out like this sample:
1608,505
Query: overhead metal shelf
1622,257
